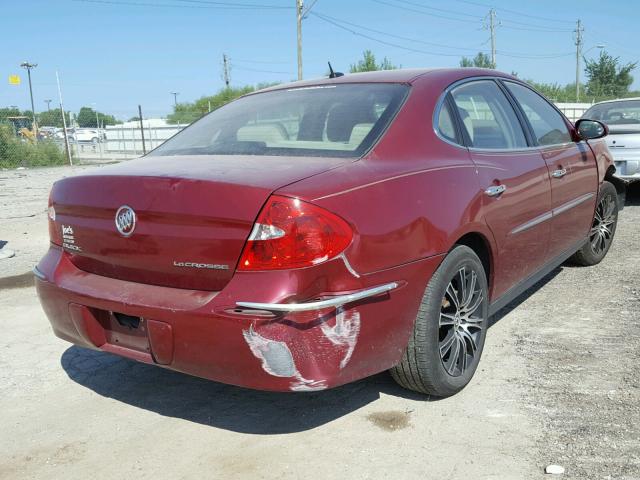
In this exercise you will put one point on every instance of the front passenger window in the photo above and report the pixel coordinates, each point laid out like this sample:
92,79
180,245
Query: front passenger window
488,117
547,124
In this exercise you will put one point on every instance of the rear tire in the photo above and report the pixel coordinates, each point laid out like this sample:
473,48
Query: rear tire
603,228
449,332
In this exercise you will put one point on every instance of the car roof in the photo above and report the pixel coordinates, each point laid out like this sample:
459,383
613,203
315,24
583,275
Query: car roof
404,75
616,100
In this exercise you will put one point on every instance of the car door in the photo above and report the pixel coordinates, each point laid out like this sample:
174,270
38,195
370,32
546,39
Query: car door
572,167
513,178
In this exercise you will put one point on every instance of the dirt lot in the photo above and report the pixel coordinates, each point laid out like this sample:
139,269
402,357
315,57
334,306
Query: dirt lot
558,384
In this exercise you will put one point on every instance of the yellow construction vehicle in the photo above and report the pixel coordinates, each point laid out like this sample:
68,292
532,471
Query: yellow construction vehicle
23,127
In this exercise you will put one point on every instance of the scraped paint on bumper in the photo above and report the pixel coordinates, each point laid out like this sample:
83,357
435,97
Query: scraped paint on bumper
205,334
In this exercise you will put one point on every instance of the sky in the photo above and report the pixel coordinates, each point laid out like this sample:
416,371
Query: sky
114,55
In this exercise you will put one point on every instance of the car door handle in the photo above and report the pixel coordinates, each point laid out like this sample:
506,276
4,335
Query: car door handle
495,190
559,173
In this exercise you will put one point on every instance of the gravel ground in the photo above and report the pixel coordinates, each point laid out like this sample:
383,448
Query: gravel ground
558,384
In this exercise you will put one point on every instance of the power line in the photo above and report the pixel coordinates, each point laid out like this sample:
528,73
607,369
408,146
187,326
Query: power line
620,46
534,56
514,12
399,37
422,12
306,11
201,5
266,62
237,5
369,37
349,27
533,28
258,70
420,5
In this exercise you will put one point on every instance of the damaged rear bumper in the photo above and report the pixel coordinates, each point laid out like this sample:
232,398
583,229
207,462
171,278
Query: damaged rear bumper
348,328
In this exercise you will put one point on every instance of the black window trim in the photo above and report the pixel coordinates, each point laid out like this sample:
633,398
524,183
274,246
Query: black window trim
566,121
524,122
461,138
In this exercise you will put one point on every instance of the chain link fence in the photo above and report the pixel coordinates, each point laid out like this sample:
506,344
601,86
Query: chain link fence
25,144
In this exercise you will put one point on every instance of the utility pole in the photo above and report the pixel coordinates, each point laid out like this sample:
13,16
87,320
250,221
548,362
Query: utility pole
67,148
492,29
144,147
578,31
48,102
175,97
225,66
30,66
299,6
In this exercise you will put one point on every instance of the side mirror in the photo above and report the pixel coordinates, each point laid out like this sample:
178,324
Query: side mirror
590,129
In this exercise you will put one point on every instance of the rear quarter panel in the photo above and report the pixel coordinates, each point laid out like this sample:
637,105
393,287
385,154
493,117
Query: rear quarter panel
411,197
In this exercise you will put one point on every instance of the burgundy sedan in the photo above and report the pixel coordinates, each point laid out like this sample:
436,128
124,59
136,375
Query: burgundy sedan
313,234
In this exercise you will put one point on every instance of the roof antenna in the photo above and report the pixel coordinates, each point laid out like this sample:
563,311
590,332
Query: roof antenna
333,74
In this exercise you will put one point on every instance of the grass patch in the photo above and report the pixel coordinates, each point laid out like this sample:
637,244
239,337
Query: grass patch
17,153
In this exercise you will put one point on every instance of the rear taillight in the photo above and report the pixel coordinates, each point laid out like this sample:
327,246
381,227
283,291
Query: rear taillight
290,233
55,235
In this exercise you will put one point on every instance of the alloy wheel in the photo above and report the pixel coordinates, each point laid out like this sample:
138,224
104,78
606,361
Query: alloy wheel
461,321
601,233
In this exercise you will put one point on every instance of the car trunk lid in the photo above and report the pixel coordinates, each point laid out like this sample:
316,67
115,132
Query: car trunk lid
193,215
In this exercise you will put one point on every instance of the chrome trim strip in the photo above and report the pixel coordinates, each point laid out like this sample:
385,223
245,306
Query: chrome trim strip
39,274
348,266
331,302
573,203
552,213
532,223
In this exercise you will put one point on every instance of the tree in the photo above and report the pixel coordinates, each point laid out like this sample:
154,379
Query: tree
556,92
88,118
606,77
191,111
52,118
481,60
368,64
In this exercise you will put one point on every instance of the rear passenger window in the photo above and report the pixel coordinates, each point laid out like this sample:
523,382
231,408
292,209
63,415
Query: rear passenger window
445,123
488,117
548,125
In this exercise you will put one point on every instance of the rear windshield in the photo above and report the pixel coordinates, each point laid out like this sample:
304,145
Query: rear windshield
330,120
616,113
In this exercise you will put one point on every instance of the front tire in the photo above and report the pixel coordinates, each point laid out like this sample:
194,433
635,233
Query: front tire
603,228
448,336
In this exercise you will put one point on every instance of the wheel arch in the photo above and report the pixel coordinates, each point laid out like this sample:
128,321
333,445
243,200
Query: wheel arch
481,245
620,186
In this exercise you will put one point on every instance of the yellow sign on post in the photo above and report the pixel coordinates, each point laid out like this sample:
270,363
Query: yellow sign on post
14,79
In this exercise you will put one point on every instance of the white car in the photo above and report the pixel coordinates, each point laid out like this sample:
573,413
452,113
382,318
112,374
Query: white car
82,135
88,135
623,119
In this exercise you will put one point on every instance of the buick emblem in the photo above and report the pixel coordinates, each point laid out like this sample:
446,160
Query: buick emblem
125,220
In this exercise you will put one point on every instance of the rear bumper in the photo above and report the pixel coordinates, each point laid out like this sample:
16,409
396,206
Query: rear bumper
206,334
627,169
